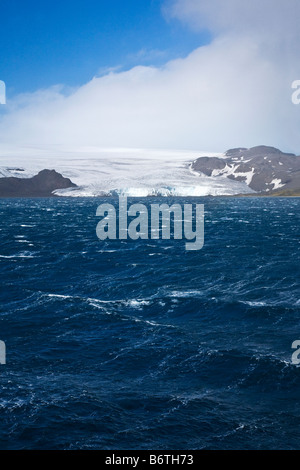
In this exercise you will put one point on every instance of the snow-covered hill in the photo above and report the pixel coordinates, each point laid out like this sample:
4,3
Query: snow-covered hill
263,169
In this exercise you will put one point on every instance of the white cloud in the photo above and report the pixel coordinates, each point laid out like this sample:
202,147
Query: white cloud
275,17
234,92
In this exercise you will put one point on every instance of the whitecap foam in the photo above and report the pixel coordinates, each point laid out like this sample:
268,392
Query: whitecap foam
17,256
185,294
136,303
59,296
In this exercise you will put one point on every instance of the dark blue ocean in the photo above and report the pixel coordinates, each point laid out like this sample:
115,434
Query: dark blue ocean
142,344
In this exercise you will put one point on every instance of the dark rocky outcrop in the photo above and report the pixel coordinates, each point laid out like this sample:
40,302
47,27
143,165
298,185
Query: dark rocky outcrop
263,169
41,185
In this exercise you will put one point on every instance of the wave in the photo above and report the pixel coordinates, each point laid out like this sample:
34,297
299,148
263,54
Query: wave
274,303
20,255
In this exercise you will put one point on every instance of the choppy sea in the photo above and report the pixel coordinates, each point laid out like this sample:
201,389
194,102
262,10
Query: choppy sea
142,344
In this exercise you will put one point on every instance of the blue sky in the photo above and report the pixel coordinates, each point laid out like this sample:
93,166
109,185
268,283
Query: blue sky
69,41
235,91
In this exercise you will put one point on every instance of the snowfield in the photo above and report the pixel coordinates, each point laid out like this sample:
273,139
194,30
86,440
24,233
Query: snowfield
136,172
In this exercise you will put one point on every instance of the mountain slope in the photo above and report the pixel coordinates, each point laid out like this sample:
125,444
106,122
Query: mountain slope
263,169
41,185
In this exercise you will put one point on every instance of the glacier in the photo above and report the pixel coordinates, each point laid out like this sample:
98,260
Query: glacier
120,172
